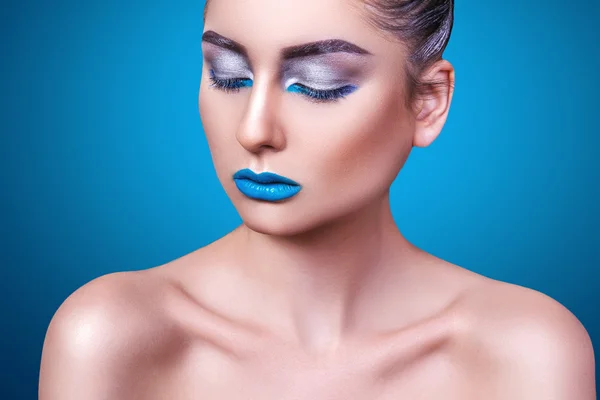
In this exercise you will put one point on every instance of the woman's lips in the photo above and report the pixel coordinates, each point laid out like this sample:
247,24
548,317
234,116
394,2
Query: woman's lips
265,186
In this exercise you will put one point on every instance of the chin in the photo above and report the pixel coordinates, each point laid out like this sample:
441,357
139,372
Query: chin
275,220
288,219
295,217
279,230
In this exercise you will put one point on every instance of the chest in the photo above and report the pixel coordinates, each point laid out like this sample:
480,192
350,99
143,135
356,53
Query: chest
280,377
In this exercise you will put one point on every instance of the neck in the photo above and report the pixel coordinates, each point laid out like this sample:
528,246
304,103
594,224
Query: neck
322,277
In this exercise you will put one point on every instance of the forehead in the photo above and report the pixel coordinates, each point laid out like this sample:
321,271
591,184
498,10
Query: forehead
265,26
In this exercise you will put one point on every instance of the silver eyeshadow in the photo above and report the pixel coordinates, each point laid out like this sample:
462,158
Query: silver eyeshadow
323,72
320,72
228,64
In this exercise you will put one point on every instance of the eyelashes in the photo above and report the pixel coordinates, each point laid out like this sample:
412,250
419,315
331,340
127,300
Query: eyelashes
322,95
229,84
232,85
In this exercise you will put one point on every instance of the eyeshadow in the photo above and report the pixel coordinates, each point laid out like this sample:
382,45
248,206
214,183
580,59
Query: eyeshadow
320,72
324,72
227,63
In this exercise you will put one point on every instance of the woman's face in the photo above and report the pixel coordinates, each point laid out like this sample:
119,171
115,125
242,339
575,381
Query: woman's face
307,90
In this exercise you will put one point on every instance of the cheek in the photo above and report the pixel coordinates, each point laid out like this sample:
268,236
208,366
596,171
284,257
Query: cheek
363,140
220,119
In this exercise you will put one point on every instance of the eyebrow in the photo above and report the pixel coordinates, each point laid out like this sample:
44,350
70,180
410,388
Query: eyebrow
322,47
303,50
222,41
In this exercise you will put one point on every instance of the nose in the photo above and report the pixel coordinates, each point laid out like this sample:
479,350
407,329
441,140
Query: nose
259,130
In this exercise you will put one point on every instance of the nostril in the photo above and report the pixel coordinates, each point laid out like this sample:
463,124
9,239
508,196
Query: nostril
260,148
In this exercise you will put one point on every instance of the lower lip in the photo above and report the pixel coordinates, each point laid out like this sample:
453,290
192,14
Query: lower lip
266,191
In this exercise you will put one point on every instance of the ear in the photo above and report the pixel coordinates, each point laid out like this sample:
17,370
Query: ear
432,106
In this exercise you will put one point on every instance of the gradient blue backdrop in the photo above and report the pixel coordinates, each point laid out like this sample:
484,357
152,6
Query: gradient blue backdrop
103,152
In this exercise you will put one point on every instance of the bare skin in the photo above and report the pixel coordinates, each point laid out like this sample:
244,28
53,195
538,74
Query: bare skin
318,297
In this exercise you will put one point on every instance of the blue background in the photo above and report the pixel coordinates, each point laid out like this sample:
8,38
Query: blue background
103,154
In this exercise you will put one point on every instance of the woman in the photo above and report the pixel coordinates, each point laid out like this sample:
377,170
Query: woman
311,109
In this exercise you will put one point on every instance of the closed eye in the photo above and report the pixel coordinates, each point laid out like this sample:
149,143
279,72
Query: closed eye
321,96
229,84
314,95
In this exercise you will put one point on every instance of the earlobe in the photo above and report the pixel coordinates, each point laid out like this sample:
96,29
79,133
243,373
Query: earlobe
433,103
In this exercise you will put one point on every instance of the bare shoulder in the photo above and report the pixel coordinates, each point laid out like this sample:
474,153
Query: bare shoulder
537,347
101,331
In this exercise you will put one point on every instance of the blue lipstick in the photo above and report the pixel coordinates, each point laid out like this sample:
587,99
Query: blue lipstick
265,186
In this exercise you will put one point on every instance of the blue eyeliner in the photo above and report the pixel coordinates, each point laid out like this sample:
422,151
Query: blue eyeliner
265,186
316,95
229,84
322,95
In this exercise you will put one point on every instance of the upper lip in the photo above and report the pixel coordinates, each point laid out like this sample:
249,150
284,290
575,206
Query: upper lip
263,177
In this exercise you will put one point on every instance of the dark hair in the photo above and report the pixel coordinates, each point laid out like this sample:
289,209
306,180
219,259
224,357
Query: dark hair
424,26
